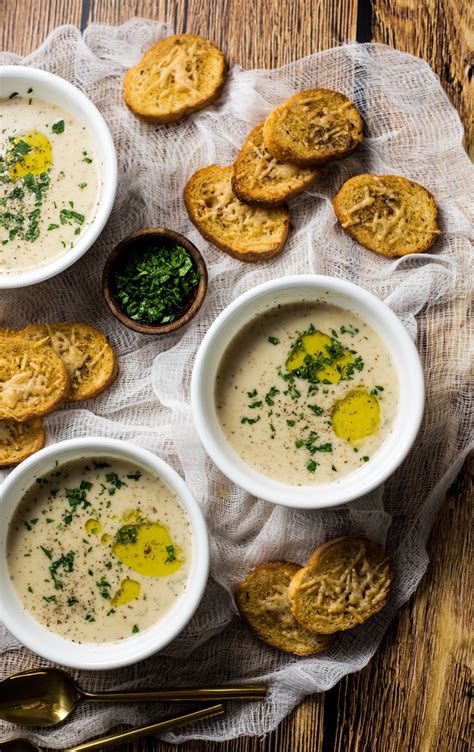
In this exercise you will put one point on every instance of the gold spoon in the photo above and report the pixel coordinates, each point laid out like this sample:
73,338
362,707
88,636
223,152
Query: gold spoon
47,696
24,745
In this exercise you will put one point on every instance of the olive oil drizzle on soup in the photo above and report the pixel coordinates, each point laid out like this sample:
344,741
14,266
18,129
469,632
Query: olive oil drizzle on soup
306,393
99,550
49,182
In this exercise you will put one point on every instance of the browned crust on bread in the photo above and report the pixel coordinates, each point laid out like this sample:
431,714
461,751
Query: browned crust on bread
388,214
33,379
19,440
219,216
325,594
86,353
262,600
208,92
261,180
312,127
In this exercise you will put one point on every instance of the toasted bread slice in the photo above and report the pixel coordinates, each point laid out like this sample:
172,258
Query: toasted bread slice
177,76
388,214
262,180
84,350
312,127
345,582
33,379
19,440
263,602
245,232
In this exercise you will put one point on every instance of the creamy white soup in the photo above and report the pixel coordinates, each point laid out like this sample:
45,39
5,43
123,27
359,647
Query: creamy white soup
49,182
306,393
99,550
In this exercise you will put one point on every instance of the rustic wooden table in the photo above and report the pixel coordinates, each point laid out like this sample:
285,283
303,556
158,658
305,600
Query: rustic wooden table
414,696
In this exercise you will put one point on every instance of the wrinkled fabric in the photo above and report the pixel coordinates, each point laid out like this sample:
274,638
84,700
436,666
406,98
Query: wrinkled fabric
412,130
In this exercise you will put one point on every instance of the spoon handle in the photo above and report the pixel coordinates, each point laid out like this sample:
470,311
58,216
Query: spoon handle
154,728
206,694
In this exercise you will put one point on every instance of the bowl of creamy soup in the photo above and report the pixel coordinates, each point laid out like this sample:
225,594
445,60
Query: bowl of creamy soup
307,391
104,553
58,175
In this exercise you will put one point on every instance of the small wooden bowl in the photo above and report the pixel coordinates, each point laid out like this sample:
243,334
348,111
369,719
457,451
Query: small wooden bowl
139,239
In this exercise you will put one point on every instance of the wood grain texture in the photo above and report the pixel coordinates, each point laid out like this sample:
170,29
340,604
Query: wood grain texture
254,33
414,695
440,32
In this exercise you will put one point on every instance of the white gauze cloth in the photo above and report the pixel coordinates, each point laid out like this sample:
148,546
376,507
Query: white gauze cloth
412,130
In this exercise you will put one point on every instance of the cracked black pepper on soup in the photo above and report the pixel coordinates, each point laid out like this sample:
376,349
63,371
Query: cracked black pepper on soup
49,182
99,550
306,393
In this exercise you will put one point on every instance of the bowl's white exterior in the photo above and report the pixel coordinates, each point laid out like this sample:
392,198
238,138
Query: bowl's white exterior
58,91
52,646
289,290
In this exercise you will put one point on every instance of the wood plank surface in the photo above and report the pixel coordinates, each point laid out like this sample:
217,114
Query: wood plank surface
414,695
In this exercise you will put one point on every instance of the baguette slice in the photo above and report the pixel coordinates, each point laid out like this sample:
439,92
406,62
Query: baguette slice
19,440
388,214
345,582
262,180
263,602
312,127
84,350
244,232
177,76
33,379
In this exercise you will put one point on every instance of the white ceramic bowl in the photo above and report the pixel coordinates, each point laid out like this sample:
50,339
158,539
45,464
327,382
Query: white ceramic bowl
290,290
107,655
58,91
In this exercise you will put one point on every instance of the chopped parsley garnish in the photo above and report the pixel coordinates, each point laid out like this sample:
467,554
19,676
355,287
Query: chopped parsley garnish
290,423
49,598
58,127
13,95
171,555
250,421
86,158
366,459
157,283
376,390
69,217
46,552
104,588
82,186
66,562
352,330
253,405
311,466
272,392
127,534
274,340
52,226
134,476
316,409
71,601
89,617
135,629
251,394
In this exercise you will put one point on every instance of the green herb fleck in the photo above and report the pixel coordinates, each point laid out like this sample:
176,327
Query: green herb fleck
171,555
250,421
274,340
58,127
127,534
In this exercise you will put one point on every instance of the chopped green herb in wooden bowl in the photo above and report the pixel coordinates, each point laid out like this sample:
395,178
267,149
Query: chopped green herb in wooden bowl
154,281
